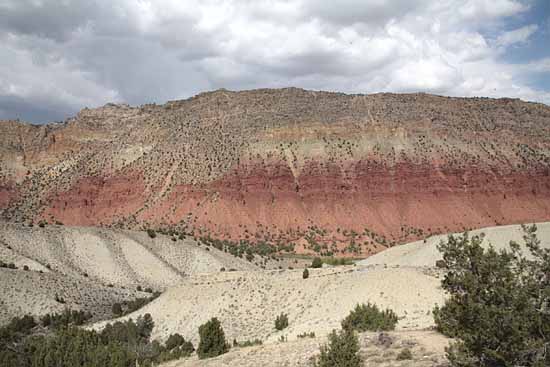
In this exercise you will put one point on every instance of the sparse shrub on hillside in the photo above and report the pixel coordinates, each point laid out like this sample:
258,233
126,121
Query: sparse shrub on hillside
138,288
117,309
281,322
405,354
342,350
26,267
498,305
247,343
151,233
440,264
59,299
317,263
8,266
305,274
368,317
212,340
311,334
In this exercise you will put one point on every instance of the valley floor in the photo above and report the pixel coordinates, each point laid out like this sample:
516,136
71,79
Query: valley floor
427,347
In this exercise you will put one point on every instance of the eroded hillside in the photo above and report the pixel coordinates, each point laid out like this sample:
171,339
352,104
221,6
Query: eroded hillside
328,172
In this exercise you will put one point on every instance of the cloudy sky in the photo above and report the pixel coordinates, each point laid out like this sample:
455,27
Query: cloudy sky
58,56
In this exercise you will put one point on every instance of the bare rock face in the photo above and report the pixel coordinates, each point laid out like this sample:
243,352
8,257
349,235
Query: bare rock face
329,172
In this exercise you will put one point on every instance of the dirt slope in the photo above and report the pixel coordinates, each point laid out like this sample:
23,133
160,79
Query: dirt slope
247,303
34,293
109,256
425,254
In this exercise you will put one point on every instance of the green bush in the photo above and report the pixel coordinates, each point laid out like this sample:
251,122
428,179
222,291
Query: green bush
281,322
247,343
342,350
317,263
151,233
305,274
311,334
177,347
498,303
212,340
367,317
405,354
117,309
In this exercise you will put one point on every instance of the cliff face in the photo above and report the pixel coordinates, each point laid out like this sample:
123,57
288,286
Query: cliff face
348,174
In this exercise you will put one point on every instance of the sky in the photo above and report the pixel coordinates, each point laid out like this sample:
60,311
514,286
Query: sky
59,56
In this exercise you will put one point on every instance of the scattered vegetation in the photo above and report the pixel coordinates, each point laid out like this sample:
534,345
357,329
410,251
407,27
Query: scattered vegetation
498,305
8,266
65,319
247,343
305,274
405,354
124,308
311,334
368,317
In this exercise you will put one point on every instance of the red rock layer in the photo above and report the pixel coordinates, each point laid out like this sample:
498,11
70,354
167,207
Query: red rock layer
270,198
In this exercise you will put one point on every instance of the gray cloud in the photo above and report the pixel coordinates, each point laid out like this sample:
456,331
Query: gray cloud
60,56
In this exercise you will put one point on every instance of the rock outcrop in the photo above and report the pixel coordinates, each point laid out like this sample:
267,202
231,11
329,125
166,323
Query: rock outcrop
332,173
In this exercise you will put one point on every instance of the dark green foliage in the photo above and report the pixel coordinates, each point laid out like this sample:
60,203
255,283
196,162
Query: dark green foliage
26,267
247,343
65,319
342,350
440,264
281,322
177,347
59,299
117,309
151,233
122,344
305,274
404,355
337,261
173,341
8,266
127,307
498,305
317,263
368,317
212,340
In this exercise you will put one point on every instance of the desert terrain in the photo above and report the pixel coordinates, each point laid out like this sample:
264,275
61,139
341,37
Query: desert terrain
329,173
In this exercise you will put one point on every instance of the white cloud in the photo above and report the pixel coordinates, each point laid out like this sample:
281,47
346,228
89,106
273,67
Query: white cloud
74,53
518,35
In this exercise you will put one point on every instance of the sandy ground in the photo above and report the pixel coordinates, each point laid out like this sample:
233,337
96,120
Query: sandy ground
92,268
118,257
427,348
425,254
247,303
